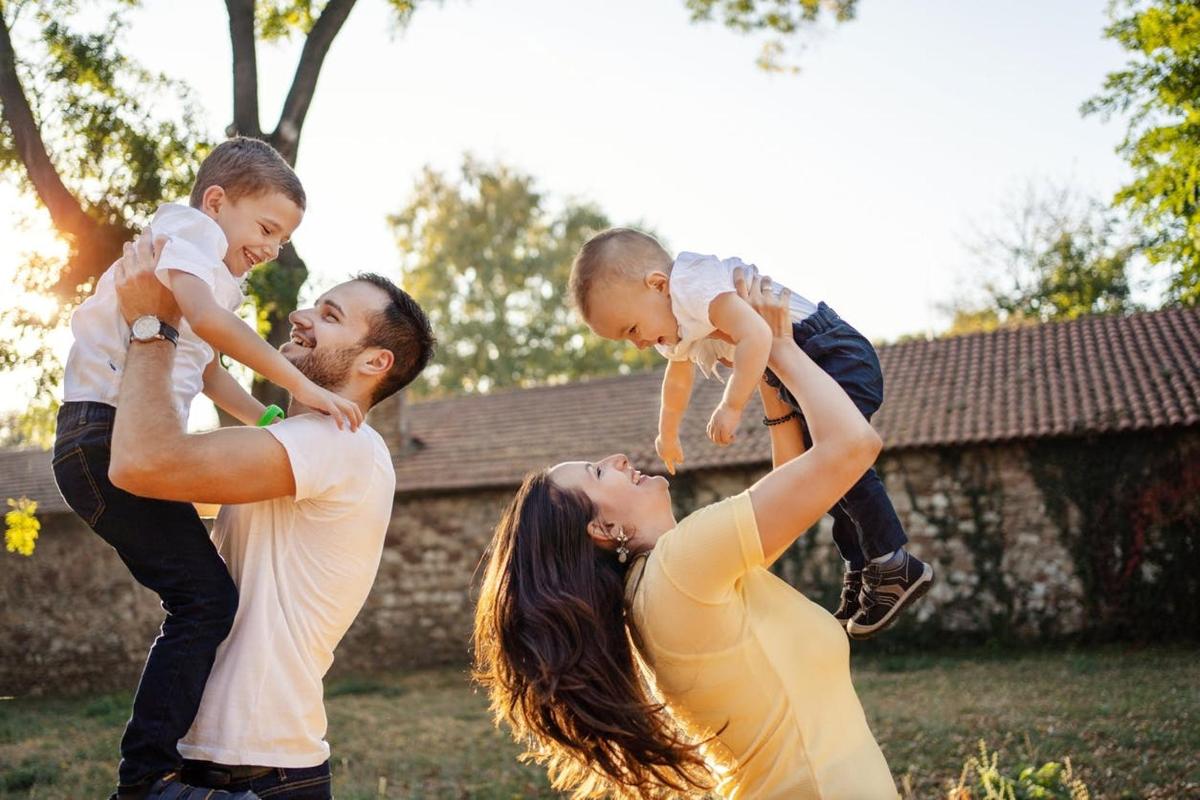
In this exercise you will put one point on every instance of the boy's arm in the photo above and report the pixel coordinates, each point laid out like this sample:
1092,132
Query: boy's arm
676,392
229,396
752,347
228,334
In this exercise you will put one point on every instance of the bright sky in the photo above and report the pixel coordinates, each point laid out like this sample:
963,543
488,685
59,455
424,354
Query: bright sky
858,181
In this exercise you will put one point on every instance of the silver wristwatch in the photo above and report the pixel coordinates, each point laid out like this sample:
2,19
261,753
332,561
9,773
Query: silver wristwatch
149,327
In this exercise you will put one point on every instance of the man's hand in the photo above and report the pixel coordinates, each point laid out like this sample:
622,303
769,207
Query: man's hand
139,291
722,426
669,450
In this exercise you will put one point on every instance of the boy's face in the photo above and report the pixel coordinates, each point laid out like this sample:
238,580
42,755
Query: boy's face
637,311
256,226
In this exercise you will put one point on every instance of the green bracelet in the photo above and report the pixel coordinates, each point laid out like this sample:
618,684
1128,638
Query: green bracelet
270,414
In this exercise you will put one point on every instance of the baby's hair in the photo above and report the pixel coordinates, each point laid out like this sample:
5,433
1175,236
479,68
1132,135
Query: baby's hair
246,167
616,253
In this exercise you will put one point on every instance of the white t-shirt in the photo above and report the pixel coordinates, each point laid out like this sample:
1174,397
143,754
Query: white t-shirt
697,280
93,372
303,567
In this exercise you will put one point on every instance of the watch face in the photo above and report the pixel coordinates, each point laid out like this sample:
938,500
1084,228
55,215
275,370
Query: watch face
145,328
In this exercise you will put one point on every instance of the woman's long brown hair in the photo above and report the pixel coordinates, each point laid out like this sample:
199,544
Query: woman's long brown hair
553,652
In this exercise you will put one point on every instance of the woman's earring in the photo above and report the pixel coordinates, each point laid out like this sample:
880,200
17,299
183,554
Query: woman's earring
622,550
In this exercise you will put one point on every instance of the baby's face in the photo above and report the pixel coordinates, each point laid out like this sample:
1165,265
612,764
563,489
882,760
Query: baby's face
257,226
635,311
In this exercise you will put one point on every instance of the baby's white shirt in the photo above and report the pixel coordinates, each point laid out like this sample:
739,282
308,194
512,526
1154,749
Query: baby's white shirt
697,280
197,246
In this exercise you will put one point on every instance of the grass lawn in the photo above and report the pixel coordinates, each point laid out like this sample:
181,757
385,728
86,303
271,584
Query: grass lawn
1128,718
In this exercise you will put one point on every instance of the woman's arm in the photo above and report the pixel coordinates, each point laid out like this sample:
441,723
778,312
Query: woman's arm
798,492
787,438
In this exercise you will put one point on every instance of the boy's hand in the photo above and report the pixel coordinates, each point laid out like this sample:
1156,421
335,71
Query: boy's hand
325,401
669,450
722,427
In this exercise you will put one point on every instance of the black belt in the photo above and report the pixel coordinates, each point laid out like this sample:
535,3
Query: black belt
206,773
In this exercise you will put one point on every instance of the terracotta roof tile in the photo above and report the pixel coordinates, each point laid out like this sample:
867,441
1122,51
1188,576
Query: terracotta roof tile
1092,375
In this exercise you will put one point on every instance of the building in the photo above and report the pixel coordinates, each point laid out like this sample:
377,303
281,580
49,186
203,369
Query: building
1051,473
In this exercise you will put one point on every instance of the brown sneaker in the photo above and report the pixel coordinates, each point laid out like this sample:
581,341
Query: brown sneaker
848,606
888,590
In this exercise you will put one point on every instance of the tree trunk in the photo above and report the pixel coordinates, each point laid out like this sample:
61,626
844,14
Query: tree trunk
277,286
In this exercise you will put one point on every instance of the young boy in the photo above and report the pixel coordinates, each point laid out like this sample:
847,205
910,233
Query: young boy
245,205
628,287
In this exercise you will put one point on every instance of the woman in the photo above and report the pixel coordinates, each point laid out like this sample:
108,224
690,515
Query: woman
589,566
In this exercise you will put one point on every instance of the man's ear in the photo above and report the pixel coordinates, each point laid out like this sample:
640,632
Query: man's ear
659,281
213,199
379,360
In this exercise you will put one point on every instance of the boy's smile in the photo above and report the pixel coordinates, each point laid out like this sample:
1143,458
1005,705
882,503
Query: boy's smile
635,311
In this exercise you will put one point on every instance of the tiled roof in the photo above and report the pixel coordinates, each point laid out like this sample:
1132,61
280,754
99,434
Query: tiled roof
1092,375
25,472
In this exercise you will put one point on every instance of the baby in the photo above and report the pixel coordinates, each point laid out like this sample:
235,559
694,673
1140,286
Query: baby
245,205
629,288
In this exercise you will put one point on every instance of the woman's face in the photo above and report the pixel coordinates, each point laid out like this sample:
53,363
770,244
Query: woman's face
622,495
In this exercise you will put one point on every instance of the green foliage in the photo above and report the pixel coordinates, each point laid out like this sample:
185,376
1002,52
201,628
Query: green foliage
1056,258
1159,89
21,526
777,18
488,256
982,779
279,19
1129,514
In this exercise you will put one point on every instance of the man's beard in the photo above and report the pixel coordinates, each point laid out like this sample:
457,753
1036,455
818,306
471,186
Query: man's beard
328,369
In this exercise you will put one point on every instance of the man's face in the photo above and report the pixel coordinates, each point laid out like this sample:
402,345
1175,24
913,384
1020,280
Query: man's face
326,338
634,311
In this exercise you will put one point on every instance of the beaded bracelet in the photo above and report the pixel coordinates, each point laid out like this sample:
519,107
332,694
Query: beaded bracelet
780,420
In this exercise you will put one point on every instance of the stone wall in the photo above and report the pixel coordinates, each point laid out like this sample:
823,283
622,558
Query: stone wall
1017,553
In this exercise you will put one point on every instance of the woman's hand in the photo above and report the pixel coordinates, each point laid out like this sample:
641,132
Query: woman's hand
772,307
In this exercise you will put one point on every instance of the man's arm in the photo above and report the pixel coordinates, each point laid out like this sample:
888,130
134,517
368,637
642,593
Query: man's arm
152,455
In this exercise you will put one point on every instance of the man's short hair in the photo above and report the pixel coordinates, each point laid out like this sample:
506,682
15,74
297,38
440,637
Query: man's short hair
246,167
612,254
401,327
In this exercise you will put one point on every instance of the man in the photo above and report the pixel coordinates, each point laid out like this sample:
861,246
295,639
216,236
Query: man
305,510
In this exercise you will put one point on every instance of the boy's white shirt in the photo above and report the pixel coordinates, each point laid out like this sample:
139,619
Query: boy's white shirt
697,280
197,246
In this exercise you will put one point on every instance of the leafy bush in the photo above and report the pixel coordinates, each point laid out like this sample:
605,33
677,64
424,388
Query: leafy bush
982,779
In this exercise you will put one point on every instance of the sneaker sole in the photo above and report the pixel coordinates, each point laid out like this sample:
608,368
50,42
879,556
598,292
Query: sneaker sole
914,593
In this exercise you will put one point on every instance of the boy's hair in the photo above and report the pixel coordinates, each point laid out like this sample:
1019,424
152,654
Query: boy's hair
402,328
616,253
246,167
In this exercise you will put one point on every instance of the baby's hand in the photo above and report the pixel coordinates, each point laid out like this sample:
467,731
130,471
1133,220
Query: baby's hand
325,401
669,450
722,427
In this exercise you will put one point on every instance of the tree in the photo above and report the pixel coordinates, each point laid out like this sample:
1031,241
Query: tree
1058,257
779,19
114,159
488,256
1159,87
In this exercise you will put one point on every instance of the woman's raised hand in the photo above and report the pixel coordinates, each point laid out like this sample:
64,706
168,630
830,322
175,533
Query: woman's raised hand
771,306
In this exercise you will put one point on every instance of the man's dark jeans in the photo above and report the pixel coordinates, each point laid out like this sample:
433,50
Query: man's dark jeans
166,548
865,524
276,783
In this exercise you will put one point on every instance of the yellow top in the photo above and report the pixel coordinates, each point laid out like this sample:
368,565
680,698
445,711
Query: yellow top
732,645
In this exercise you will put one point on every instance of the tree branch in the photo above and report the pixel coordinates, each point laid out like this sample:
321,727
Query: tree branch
245,68
65,210
286,137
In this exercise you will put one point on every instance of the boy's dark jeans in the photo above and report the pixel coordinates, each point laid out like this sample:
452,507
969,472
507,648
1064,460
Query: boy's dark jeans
276,783
166,548
865,524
